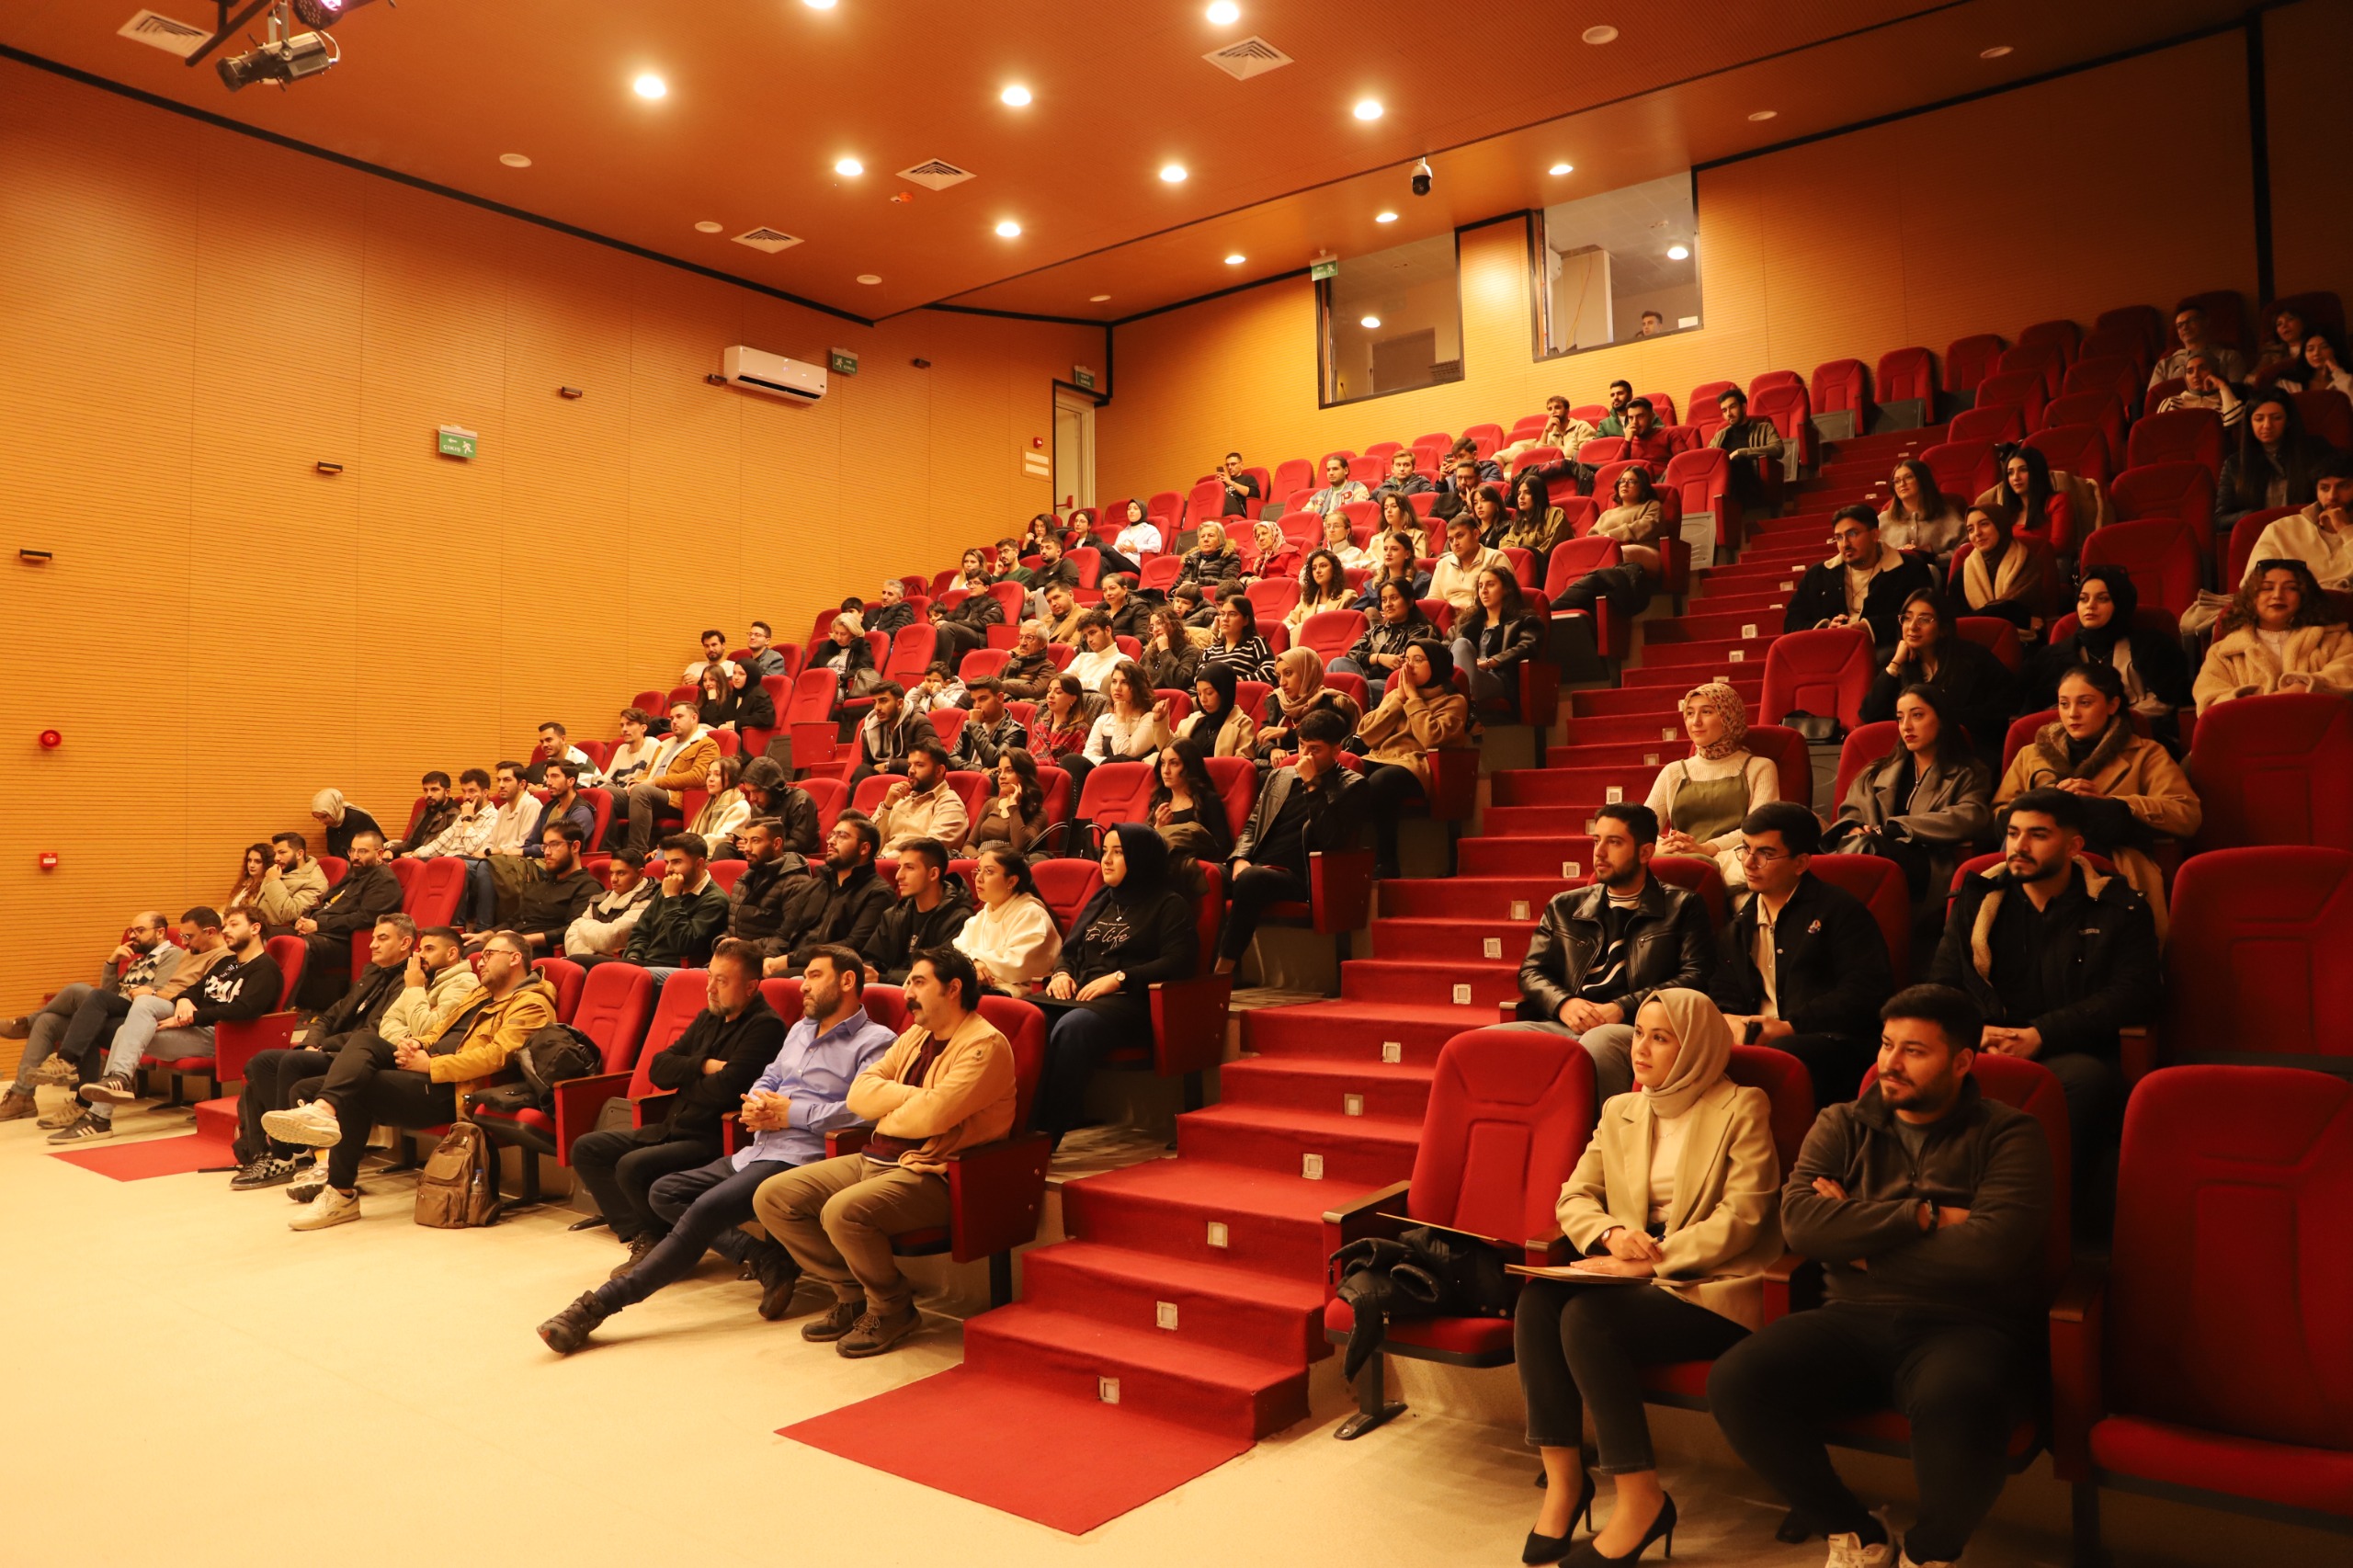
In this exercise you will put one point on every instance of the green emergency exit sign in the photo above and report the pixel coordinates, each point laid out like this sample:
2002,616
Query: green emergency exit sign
842,361
454,442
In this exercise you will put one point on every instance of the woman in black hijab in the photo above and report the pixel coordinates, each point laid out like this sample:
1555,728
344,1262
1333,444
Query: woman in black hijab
1138,930
2154,671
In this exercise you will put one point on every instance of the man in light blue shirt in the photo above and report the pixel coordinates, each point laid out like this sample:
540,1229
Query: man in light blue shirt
802,1097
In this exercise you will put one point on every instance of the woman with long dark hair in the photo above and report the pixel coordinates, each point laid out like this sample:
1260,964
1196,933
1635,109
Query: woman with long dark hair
1234,642
1010,937
1324,585
1058,731
1923,804
1930,650
1169,655
1397,621
2276,462
1185,808
1398,564
258,859
1496,637
1397,516
1537,525
1491,513
1014,812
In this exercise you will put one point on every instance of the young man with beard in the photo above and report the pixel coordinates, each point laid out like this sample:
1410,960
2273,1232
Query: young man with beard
367,891
440,811
855,897
770,793
613,915
1312,806
466,830
989,732
293,885
923,804
929,913
1863,584
558,893
69,1023
777,896
686,914
887,733
801,1096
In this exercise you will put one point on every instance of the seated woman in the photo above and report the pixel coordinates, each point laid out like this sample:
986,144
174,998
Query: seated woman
2092,751
1929,651
2046,504
2276,637
1924,805
1132,726
1059,729
1635,520
1339,538
1537,525
848,655
724,813
1679,1185
2319,367
2279,354
1010,937
2150,664
1131,616
2275,461
1701,800
1213,560
754,708
1397,619
1169,655
1015,816
1299,691
1920,518
260,858
972,572
1185,808
1420,713
1278,556
1137,931
1492,514
1139,536
1217,726
1398,518
1491,643
1323,586
1395,553
2013,576
1194,609
1235,642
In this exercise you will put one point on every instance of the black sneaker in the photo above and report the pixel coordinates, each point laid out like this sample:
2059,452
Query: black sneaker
569,1329
83,1129
839,1319
268,1171
778,1274
113,1089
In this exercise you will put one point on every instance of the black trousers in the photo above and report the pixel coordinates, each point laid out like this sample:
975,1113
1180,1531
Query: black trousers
1835,1062
1621,587
326,970
1581,1346
92,1026
1961,1385
367,1090
1394,787
1254,890
951,640
270,1078
618,1172
694,1210
1080,1036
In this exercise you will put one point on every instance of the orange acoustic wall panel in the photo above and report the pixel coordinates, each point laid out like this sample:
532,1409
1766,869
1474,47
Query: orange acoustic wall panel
2308,58
191,319
2058,200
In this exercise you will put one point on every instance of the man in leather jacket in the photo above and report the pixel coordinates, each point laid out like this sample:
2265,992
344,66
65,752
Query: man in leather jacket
1601,949
1313,806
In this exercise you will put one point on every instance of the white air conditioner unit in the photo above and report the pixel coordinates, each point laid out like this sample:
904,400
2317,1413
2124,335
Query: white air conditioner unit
773,374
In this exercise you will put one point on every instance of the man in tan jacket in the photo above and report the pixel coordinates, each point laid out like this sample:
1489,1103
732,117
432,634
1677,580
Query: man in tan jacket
923,804
292,886
677,767
945,1085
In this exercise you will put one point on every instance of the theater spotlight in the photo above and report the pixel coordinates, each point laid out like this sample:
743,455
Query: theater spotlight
324,13
287,57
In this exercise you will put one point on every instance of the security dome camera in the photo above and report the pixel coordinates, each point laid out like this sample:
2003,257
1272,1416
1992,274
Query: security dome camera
1422,177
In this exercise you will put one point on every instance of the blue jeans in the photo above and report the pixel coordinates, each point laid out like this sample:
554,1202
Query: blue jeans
702,1208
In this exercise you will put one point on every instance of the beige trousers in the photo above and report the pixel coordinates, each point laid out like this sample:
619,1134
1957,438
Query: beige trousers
838,1217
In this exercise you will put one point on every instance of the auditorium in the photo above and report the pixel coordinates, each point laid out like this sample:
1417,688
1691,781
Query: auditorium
1195,780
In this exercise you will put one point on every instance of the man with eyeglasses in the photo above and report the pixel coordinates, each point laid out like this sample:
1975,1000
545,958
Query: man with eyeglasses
1805,967
1863,584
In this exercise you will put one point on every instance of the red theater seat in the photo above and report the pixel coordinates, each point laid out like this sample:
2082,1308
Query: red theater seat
2159,553
2268,986
234,1044
2186,434
2274,770
1969,360
1822,672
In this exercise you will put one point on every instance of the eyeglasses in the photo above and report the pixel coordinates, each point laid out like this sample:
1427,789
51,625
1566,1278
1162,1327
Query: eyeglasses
1751,855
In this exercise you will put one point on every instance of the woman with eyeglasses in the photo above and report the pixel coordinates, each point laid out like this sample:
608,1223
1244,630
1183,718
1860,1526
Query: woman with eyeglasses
1703,799
1930,650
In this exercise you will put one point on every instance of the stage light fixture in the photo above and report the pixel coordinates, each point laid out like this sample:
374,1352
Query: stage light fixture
286,57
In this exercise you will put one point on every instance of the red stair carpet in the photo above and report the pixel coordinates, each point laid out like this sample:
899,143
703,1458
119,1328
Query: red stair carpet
198,1151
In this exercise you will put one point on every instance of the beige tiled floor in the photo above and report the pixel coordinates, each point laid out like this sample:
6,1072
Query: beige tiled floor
191,1383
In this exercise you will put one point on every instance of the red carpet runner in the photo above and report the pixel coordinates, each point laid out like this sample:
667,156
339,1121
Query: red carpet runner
152,1156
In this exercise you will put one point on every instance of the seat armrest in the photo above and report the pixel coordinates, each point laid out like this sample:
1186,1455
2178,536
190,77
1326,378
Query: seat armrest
578,1103
1340,889
1792,1284
2136,1051
849,1140
1188,1023
2078,1318
996,1194
234,1044
1549,1250
1361,1217
638,1110
731,1132
1454,783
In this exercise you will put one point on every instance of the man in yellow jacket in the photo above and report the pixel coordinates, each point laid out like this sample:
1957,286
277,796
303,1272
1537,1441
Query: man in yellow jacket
422,1081
945,1085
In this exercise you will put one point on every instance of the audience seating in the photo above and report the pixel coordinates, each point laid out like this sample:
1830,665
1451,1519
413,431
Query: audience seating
2274,770
1865,744
2269,926
2084,447
2160,553
2063,335
2145,325
1969,360
1906,388
234,1044
1842,402
2184,490
1823,672
2185,435
1963,469
2002,421
2328,413
2225,317
612,1007
1879,883
567,977
2045,360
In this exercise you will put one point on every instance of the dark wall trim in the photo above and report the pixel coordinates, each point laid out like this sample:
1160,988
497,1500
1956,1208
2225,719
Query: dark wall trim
2258,136
224,123
1214,294
1003,315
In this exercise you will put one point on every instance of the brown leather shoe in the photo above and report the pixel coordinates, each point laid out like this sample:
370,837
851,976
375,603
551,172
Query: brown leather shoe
839,1319
16,1106
778,1276
873,1333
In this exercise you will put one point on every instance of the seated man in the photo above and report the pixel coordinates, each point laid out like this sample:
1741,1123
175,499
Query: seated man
430,982
1030,668
679,764
1613,422
703,1075
421,1082
292,886
1402,479
855,896
2202,388
605,930
559,892
801,1096
929,913
1653,323
466,830
770,793
1864,584
1484,470
886,733
1310,807
923,804
1097,654
368,891
1062,616
1454,577
555,742
2190,330
1753,445
1805,964
960,627
1461,487
776,898
1601,949
59,1035
1240,488
1928,1202
2321,536
714,652
1562,431
943,1086
631,757
1338,488
891,611
567,801
440,811
496,879
245,984
2059,958
686,915
989,730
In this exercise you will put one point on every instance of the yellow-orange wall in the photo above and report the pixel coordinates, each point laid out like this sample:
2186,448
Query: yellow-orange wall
191,319
2308,59
2093,191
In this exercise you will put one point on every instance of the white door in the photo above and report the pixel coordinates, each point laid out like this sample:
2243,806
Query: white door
1074,450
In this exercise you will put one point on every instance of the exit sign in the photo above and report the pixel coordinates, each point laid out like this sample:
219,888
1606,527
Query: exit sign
454,442
1319,271
842,361
1083,377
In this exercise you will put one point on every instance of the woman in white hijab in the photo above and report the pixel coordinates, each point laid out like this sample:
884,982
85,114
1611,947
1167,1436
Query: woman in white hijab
341,820
1676,1206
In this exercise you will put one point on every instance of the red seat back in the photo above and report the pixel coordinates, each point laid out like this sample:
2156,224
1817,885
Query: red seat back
2027,391
829,795
2121,376
1879,882
1827,671
2063,335
1787,751
1907,375
1702,406
1964,469
684,995
1997,636
2244,533
1330,633
410,874
2084,447
1510,1111
1116,792
1293,473
1236,779
2268,925
1272,598
288,953
1067,885
2183,434
1205,503
2184,490
439,891
1485,438
1698,874
2273,770
1969,360
1839,386
1368,470
813,693
2159,553
1865,744
782,994
1573,558
2328,413
567,977
2045,360
2143,324
1788,1085
614,1003
2004,422
1024,1028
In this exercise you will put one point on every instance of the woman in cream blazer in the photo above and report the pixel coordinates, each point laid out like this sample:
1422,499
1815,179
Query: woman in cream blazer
1679,1187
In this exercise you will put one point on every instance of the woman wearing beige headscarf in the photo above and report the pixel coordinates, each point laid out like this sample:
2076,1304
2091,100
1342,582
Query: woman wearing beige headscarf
1301,691
341,822
1703,799
1679,1185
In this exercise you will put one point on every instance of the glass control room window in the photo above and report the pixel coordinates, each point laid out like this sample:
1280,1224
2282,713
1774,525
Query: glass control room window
1617,267
1391,321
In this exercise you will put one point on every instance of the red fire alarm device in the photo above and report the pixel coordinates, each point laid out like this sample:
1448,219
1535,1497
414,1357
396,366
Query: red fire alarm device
49,859
50,740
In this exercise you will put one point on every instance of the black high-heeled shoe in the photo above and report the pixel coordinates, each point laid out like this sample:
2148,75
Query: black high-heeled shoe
1552,1548
1588,1555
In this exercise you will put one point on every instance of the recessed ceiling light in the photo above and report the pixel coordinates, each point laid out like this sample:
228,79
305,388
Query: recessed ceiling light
1097,299
1172,173
707,227
1368,108
1678,252
1225,13
819,4
648,85
1370,321
849,167
1602,34
869,278
1562,169
1009,229
1236,260
1765,114
514,160
1384,217
1015,94
1995,53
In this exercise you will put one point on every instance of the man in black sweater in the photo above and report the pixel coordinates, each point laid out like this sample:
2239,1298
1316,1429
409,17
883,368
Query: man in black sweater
1865,584
1312,807
1927,1203
557,892
1601,949
368,890
707,1070
928,914
1806,965
855,896
777,896
677,928
990,729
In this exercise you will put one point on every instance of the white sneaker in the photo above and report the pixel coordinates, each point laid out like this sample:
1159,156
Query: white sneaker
309,1181
329,1208
1847,1551
314,1125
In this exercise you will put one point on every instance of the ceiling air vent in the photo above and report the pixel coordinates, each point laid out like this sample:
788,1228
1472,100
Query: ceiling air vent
936,174
1250,57
172,36
767,239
